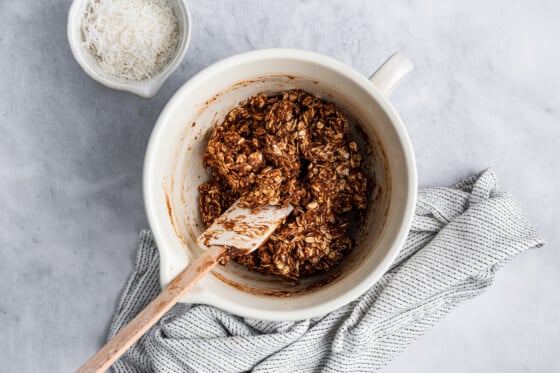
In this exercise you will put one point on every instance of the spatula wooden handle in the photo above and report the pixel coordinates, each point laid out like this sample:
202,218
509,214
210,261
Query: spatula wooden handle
103,359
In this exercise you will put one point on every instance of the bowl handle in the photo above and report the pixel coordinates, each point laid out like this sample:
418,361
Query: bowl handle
388,76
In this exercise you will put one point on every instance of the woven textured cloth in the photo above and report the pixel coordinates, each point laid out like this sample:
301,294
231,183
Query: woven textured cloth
460,236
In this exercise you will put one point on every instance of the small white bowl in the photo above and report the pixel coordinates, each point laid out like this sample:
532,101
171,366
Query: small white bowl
146,88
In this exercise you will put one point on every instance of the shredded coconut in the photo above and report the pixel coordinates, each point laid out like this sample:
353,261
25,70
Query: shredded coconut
131,39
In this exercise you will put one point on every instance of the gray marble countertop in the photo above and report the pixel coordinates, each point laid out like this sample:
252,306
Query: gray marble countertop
485,92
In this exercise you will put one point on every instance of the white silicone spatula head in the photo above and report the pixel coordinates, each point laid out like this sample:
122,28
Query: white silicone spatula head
244,229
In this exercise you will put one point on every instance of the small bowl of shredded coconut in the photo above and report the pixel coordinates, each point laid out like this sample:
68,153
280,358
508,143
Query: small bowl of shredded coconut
129,45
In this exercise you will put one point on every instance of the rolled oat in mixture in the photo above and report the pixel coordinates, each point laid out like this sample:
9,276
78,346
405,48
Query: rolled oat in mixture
289,148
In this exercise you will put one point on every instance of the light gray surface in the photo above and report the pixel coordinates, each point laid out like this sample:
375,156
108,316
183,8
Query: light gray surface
485,92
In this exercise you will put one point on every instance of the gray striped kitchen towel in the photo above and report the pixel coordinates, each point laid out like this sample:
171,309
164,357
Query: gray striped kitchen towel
460,237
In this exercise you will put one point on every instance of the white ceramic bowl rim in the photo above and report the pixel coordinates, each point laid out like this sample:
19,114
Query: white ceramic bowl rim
377,93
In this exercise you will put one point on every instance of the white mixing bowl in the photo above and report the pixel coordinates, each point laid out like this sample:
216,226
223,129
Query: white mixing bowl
173,171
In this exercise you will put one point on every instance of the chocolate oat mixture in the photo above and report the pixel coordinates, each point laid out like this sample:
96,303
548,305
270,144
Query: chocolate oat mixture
289,148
